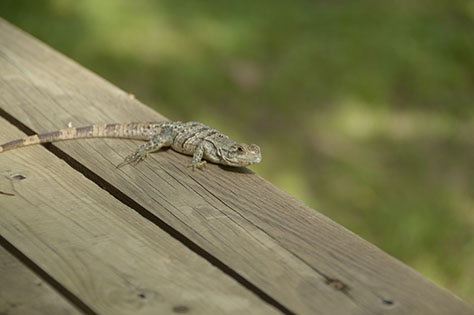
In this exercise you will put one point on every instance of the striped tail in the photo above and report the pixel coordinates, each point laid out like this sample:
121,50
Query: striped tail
137,131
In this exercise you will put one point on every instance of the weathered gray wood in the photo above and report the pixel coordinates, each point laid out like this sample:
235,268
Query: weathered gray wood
299,257
106,254
23,292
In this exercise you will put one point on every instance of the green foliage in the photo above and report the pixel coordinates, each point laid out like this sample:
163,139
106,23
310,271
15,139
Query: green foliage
364,109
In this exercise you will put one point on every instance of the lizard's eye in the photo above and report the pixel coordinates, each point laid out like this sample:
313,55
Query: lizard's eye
239,149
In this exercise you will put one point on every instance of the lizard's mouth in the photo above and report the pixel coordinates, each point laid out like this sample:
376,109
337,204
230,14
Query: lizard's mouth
258,159
244,162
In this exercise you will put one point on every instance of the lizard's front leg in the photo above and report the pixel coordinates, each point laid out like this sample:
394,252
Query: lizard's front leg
142,152
197,161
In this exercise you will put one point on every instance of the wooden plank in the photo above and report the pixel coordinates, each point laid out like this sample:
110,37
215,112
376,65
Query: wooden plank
296,255
106,254
23,292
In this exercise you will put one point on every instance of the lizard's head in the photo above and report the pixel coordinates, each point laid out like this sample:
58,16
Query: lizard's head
241,154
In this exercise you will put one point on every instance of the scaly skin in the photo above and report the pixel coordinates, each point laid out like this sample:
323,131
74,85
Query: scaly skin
191,138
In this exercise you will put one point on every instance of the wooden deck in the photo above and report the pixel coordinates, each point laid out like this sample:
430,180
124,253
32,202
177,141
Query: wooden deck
79,236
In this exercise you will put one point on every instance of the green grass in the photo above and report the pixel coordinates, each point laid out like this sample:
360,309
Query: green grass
364,110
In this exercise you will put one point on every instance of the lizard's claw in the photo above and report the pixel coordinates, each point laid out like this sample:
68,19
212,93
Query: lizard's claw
199,165
134,158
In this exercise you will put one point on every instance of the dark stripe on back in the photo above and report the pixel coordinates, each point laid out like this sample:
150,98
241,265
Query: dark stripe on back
213,132
194,133
189,137
201,137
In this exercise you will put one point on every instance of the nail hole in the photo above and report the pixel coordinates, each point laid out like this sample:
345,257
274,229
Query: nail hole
181,309
142,296
337,285
387,302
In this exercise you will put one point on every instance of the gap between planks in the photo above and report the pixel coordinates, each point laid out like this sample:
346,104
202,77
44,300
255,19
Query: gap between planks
68,295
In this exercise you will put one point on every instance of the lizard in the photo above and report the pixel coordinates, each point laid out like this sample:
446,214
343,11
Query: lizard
190,138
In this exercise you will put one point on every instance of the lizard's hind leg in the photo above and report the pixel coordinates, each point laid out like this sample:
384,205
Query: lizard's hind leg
142,152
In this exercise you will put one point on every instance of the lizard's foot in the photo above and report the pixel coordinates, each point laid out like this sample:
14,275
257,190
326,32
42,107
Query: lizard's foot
134,158
199,165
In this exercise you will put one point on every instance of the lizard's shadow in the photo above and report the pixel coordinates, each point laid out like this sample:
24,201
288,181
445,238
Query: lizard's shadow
242,170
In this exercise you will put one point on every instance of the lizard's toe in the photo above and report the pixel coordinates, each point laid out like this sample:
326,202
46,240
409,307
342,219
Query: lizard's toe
133,159
125,162
199,165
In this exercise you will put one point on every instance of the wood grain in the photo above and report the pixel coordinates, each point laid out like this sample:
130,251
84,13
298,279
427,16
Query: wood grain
23,292
105,253
299,257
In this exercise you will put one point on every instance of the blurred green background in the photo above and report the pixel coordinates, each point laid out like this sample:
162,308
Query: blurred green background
364,110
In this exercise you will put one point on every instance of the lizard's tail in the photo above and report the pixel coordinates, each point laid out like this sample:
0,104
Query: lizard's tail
138,131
